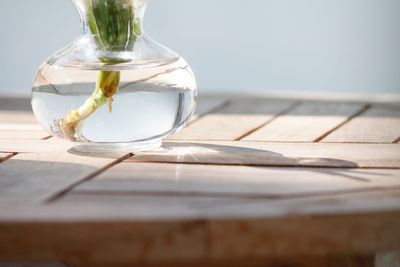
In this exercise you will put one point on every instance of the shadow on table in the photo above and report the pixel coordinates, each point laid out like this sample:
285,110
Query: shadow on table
205,153
214,154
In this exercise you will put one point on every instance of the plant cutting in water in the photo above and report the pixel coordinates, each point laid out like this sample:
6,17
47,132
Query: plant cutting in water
114,28
113,88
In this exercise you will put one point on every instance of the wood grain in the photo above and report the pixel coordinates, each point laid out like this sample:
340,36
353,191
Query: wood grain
236,181
276,154
234,120
309,235
111,244
217,194
34,177
306,122
109,207
79,229
210,226
376,125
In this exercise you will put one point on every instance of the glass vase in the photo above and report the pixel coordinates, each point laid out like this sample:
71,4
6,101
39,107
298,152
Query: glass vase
113,88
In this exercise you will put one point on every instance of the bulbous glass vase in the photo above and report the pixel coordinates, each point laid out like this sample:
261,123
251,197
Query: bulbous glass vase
113,88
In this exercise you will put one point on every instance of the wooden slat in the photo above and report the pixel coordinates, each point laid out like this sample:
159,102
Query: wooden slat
233,120
306,123
146,211
23,134
16,117
20,125
105,207
207,103
239,181
124,242
256,215
33,146
155,207
114,244
276,154
34,177
314,235
71,227
377,125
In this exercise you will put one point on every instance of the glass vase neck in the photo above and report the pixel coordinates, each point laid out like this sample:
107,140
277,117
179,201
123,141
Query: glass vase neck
113,24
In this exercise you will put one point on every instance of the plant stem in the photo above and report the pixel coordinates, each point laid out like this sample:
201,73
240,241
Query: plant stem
114,28
108,82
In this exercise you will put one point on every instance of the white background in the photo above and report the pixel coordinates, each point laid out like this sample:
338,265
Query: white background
233,45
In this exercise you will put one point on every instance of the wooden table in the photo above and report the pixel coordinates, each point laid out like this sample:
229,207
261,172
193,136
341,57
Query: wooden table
251,181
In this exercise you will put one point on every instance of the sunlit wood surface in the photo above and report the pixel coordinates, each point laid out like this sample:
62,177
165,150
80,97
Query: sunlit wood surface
251,181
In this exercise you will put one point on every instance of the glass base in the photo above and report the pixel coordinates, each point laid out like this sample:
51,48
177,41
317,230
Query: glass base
98,149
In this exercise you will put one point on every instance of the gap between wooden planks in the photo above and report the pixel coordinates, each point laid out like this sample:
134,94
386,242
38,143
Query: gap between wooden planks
378,124
307,121
233,120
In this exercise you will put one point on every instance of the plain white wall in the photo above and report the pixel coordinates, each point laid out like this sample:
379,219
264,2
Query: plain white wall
326,45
